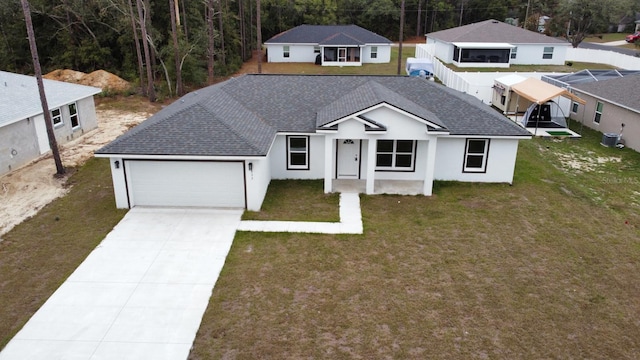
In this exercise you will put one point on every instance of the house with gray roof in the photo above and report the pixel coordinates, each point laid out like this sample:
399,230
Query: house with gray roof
23,135
329,45
493,43
221,145
612,106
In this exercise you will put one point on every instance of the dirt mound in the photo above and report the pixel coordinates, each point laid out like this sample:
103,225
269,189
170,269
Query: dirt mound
65,75
99,78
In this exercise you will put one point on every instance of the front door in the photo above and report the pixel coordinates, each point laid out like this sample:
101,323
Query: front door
348,159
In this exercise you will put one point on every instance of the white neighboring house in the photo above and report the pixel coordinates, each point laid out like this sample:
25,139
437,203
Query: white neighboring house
492,43
329,45
220,146
23,135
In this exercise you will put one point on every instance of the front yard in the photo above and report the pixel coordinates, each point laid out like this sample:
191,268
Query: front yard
546,268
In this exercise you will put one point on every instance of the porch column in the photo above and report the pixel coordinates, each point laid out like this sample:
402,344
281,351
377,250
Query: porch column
427,189
371,165
328,164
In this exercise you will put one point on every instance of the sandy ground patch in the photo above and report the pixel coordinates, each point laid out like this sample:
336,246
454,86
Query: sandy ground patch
25,191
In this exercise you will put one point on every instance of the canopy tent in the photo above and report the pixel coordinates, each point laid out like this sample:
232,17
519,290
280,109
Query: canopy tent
543,113
540,92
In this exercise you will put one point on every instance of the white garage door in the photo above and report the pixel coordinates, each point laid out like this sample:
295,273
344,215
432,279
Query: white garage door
186,183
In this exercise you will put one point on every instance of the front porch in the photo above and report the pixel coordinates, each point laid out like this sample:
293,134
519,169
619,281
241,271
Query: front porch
399,187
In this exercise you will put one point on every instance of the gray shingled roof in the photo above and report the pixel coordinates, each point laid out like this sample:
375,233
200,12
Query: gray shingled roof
328,35
493,31
20,99
241,116
622,91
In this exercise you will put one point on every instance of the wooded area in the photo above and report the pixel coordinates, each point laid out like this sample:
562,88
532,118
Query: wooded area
191,42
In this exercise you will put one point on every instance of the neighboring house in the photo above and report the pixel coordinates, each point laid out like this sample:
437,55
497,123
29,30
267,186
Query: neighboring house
492,43
221,145
23,135
329,45
611,106
628,23
542,23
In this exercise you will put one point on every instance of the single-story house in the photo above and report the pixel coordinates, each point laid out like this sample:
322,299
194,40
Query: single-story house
23,135
492,43
221,145
612,106
329,45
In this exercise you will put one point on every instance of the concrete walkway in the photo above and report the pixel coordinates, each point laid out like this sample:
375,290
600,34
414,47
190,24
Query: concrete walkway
350,221
142,292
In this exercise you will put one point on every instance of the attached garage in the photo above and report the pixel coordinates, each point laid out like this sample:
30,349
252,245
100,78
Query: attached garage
185,183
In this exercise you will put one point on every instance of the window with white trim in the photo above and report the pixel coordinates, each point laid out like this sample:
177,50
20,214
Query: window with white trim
475,155
316,49
374,52
514,52
574,107
56,117
286,51
547,52
73,115
297,153
598,116
396,155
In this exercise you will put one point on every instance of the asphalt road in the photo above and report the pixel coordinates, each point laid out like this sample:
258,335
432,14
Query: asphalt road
630,52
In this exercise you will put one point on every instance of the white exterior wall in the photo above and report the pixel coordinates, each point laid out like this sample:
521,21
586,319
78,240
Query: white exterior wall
528,54
297,53
384,54
501,161
278,158
119,183
257,181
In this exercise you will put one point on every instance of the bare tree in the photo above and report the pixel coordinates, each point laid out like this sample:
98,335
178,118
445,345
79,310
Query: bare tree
142,14
211,46
176,46
221,31
401,36
259,30
53,144
143,83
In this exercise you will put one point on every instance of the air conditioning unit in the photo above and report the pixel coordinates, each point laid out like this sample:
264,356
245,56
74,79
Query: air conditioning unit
609,139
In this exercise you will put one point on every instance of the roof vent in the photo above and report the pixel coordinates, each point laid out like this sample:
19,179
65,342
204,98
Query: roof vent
495,21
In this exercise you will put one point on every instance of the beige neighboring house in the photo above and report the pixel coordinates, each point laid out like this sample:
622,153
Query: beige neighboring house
611,106
23,135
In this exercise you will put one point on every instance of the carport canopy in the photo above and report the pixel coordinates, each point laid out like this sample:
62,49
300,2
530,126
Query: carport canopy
540,92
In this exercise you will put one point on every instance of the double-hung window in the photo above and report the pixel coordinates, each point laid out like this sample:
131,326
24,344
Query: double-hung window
475,155
396,155
547,52
374,52
297,153
514,52
598,116
56,117
286,51
73,115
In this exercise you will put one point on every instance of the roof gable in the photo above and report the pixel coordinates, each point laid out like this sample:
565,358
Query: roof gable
20,97
493,31
368,95
328,35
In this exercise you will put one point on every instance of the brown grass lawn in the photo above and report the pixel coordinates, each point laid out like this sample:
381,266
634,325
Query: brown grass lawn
546,268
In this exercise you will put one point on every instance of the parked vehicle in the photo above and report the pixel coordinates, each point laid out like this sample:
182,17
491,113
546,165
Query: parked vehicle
633,37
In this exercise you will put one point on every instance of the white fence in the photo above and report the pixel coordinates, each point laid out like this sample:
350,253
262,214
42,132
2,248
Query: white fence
604,57
479,84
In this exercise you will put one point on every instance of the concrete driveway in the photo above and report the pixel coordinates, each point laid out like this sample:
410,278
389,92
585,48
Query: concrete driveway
140,294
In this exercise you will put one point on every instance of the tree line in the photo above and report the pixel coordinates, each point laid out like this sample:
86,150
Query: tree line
176,42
